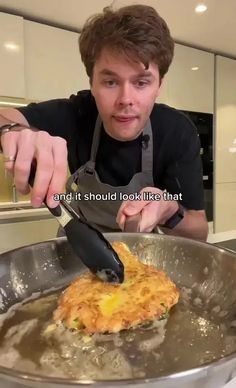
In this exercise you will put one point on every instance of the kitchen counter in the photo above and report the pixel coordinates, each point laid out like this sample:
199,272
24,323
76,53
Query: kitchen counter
21,211
10,205
20,225
23,214
229,244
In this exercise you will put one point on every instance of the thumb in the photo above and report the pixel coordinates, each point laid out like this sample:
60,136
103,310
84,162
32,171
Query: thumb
133,208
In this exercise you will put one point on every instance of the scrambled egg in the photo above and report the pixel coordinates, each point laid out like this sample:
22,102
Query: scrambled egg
93,306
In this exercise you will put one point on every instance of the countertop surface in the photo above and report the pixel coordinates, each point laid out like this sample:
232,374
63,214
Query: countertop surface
229,244
21,211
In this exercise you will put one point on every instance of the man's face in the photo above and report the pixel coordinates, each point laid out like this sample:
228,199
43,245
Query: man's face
125,94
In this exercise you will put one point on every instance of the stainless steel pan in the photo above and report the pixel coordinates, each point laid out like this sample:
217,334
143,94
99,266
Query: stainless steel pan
199,349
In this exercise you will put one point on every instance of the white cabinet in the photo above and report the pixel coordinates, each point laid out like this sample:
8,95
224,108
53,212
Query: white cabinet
225,120
189,84
225,145
11,56
52,62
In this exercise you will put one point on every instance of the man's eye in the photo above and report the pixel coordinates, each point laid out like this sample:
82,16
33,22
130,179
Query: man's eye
141,84
110,83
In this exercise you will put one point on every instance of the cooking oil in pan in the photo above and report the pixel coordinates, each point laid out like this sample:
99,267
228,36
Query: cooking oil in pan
32,343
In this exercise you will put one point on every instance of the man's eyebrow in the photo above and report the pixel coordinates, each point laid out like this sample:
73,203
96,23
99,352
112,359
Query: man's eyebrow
108,72
146,74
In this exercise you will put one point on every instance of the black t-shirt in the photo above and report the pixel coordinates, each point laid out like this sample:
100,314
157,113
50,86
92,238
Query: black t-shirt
176,150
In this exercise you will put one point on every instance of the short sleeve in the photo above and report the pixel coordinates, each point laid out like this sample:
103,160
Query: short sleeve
54,116
185,175
72,119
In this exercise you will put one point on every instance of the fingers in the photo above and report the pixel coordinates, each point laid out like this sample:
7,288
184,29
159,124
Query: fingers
45,166
59,175
129,208
120,219
9,146
148,207
51,158
149,217
25,154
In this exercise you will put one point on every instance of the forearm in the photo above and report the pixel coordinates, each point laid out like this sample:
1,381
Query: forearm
12,115
9,116
194,225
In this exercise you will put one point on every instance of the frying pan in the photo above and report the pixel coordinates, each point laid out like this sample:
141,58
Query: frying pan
204,338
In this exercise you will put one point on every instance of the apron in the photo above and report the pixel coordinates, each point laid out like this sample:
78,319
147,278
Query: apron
102,213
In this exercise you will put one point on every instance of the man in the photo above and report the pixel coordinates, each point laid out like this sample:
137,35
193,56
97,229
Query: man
119,141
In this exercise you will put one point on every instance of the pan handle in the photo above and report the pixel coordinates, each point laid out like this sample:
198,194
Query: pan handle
132,223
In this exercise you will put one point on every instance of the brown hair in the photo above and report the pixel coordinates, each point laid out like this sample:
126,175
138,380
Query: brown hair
136,31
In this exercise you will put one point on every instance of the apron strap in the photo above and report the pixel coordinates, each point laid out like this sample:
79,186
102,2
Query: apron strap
96,139
90,164
147,148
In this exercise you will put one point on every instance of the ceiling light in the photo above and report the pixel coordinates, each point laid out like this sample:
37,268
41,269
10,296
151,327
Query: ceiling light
11,46
195,68
200,8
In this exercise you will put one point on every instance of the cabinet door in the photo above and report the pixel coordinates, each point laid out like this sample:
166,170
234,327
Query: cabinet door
190,89
225,120
11,56
52,62
225,145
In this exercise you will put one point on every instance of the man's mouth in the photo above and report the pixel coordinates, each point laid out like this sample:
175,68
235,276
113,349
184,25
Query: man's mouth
125,118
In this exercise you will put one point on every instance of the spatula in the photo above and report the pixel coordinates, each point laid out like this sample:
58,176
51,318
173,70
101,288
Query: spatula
88,243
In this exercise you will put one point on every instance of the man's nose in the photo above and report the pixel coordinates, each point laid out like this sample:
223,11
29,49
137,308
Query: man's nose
125,95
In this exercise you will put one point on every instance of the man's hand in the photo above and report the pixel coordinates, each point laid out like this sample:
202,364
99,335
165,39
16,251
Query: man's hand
50,154
153,212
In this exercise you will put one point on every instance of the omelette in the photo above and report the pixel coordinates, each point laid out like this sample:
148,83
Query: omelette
93,306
